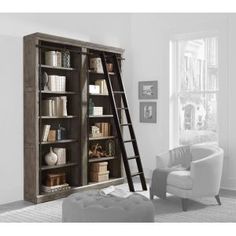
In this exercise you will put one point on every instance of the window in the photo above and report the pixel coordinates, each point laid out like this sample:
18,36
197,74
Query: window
194,88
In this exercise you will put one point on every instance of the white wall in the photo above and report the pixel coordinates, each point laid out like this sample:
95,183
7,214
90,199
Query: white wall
150,53
108,29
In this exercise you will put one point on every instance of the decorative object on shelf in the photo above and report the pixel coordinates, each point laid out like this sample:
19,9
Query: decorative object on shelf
147,112
91,105
110,147
52,136
60,133
97,111
61,155
99,167
148,89
66,58
96,151
96,65
95,132
99,176
55,179
110,67
45,81
53,58
51,158
94,89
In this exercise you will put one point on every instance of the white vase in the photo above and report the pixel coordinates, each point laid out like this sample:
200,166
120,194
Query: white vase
51,158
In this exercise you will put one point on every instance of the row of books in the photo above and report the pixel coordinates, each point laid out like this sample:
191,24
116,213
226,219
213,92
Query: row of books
56,106
102,85
104,128
56,83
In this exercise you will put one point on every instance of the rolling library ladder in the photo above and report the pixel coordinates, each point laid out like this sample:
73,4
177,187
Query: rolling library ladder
125,108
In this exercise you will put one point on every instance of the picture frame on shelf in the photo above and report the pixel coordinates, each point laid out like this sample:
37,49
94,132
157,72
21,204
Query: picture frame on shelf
147,112
148,89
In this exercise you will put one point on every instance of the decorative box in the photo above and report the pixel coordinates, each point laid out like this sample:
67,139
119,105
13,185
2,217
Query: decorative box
97,111
94,89
99,167
99,176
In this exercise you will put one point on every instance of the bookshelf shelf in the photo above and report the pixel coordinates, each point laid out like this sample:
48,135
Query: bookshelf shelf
102,138
60,141
102,116
57,67
59,93
70,84
58,166
96,73
101,159
92,94
58,117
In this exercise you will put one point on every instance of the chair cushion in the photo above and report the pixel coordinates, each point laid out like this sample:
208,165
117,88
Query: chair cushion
180,179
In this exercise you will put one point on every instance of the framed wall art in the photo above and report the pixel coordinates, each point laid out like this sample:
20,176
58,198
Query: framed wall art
147,112
148,89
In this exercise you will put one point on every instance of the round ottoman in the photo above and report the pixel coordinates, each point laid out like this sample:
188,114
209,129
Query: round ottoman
91,206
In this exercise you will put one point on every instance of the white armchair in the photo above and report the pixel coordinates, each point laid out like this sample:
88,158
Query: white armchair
202,180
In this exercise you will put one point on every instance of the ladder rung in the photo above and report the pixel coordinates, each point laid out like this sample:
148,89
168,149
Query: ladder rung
135,174
122,108
125,124
128,141
134,157
119,92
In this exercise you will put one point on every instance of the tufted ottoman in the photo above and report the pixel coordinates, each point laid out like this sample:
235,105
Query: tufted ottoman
90,206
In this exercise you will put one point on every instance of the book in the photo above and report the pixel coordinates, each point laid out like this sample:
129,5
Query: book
114,191
103,86
46,129
57,83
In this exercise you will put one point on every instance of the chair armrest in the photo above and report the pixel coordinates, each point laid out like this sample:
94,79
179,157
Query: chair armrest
162,160
206,175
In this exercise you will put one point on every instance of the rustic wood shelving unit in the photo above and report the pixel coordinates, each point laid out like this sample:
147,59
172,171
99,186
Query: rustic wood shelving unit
77,122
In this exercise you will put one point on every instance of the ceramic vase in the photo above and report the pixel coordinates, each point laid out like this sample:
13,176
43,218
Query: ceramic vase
51,158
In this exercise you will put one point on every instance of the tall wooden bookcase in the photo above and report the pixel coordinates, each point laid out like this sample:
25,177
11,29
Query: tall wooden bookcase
77,123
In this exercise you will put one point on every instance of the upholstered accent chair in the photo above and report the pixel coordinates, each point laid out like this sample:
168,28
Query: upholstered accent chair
203,177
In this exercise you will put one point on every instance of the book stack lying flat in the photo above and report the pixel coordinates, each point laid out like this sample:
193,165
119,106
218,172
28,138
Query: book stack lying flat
103,86
56,188
105,128
55,106
95,132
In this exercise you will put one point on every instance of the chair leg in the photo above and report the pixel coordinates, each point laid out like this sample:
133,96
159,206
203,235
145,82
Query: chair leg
184,203
150,194
217,197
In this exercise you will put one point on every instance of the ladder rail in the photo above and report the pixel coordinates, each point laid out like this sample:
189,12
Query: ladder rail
117,123
131,129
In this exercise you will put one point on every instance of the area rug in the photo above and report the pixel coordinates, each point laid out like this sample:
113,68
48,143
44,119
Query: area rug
169,210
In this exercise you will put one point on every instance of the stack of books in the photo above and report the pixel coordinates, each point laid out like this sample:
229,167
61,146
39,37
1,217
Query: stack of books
61,155
56,188
56,106
103,86
57,83
105,128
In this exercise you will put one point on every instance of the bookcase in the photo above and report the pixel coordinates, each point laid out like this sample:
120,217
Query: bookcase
67,112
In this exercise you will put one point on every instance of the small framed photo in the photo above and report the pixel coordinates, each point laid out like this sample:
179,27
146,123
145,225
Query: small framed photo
148,112
148,89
